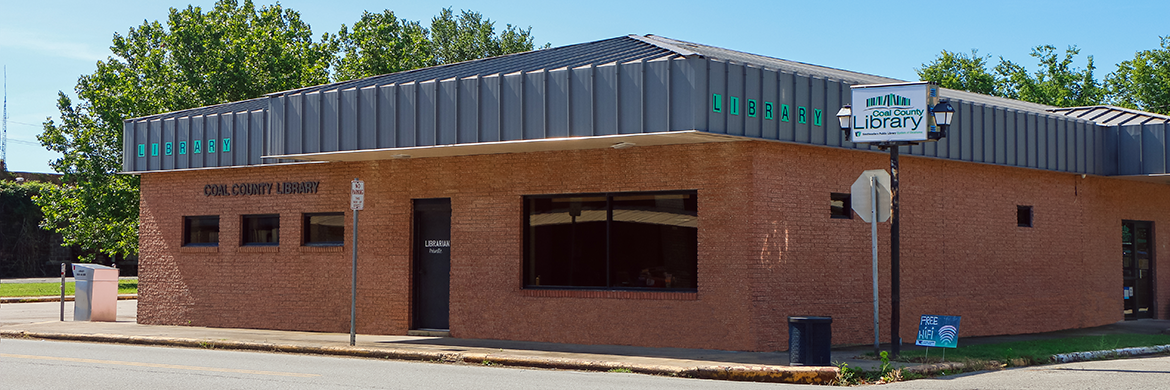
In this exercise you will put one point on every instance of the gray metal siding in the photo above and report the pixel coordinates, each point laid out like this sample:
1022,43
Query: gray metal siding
624,98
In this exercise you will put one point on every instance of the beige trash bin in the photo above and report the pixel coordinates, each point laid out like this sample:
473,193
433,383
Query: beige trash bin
96,295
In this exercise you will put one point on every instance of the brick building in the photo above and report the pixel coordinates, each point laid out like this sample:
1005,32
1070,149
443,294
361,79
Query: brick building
640,191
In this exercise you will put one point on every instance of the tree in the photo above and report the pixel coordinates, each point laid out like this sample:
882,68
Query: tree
232,52
471,36
1143,83
959,71
1056,84
380,44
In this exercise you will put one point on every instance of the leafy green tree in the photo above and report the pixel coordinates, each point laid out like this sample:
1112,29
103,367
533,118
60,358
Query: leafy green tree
471,36
959,71
23,246
232,52
381,44
1057,83
1143,83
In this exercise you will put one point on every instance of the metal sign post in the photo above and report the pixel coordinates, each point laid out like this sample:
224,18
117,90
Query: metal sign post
62,291
357,201
889,116
870,197
873,185
895,257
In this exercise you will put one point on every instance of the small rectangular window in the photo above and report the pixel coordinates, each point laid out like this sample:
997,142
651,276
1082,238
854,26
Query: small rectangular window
840,206
263,229
1024,216
201,231
324,229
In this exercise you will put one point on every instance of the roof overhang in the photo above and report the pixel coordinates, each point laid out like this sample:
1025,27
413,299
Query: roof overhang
520,146
1156,178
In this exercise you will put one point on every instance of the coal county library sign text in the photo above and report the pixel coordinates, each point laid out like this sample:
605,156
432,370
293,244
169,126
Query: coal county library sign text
264,188
893,112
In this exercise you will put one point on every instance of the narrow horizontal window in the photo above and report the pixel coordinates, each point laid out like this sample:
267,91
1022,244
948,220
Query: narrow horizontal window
201,230
324,229
263,229
628,241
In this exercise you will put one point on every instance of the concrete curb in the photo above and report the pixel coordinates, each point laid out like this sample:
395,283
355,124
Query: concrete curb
1058,358
934,368
777,374
1119,352
68,298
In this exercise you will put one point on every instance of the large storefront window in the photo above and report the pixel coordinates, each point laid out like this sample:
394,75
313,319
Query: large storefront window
645,240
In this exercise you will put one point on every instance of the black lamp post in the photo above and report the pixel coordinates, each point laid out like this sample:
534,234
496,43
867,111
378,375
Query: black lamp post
943,113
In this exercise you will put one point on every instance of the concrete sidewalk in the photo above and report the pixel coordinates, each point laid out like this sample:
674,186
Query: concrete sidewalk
41,320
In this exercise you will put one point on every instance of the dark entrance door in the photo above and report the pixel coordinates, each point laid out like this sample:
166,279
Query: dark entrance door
432,263
1137,267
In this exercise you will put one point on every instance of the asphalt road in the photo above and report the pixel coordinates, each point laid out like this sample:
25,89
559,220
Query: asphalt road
1123,374
35,364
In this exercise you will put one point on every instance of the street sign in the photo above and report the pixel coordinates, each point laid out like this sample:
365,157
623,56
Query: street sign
860,195
357,195
938,331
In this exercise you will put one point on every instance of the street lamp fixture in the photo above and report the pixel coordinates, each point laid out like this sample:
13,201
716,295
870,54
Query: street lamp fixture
943,112
844,116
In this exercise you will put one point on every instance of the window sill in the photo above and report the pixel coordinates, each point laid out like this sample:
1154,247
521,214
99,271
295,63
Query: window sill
322,249
258,249
198,249
612,294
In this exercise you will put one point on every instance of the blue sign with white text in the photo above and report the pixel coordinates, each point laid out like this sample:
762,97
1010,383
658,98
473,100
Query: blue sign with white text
938,331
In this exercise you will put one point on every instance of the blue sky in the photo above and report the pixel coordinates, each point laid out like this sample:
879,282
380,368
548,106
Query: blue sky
47,44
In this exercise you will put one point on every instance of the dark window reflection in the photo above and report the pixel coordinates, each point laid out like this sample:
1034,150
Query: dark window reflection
627,241
840,206
201,231
261,229
325,229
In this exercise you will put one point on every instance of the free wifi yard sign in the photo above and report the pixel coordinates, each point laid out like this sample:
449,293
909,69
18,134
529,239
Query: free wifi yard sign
938,331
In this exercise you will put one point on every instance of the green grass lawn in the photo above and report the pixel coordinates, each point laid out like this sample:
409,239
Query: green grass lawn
54,289
1037,351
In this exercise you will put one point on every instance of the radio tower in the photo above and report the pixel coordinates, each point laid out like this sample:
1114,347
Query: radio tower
4,132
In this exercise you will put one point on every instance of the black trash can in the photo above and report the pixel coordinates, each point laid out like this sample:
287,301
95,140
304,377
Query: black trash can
809,341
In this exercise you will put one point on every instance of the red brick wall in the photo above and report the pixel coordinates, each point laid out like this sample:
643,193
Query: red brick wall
297,289
767,248
962,251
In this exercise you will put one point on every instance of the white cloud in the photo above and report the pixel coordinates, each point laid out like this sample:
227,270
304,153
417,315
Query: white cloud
47,46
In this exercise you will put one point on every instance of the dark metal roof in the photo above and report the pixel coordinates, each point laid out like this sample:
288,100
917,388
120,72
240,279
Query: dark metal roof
620,49
719,53
1112,115
249,105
